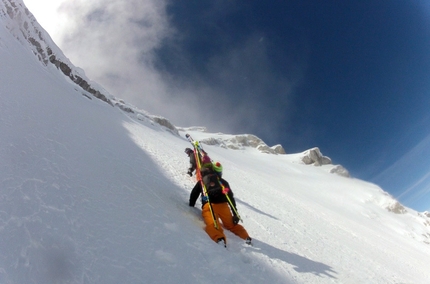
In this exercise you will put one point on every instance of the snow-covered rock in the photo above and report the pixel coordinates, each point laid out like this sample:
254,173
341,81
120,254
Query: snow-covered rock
235,142
397,208
314,157
339,170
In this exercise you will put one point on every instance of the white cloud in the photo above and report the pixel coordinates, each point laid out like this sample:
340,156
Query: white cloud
48,16
115,42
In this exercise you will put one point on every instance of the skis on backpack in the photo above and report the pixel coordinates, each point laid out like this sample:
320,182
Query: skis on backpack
199,149
225,192
196,145
197,154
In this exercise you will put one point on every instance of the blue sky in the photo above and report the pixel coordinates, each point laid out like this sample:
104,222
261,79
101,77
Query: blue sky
351,77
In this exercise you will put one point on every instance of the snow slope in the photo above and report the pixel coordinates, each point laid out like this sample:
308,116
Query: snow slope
92,194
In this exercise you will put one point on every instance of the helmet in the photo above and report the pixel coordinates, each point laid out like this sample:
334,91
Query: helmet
188,151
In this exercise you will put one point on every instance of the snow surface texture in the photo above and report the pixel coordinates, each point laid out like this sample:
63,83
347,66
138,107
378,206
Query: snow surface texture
92,194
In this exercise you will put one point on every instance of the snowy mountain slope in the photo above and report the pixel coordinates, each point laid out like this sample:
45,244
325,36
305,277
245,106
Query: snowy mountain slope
22,25
80,202
93,194
19,23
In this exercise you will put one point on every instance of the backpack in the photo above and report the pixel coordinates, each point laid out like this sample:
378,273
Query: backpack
212,184
206,162
207,165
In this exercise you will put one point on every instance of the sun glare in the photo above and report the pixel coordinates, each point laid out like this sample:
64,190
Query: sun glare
47,15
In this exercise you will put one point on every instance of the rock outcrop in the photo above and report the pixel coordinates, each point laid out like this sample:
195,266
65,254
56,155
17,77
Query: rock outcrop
241,141
314,157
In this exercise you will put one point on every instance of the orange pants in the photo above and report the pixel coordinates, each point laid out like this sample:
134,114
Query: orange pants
221,211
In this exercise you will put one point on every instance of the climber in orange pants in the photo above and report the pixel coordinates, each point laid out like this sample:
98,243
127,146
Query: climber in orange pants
221,205
222,212
220,208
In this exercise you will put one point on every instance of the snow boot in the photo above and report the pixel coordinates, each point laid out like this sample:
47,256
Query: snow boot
221,241
248,241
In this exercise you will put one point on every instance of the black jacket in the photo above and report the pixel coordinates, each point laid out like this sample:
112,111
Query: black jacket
215,194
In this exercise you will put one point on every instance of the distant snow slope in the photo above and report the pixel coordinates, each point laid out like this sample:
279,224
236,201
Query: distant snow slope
92,194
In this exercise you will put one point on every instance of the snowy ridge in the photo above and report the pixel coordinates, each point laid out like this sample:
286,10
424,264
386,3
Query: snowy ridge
24,27
241,142
21,24
235,142
92,194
